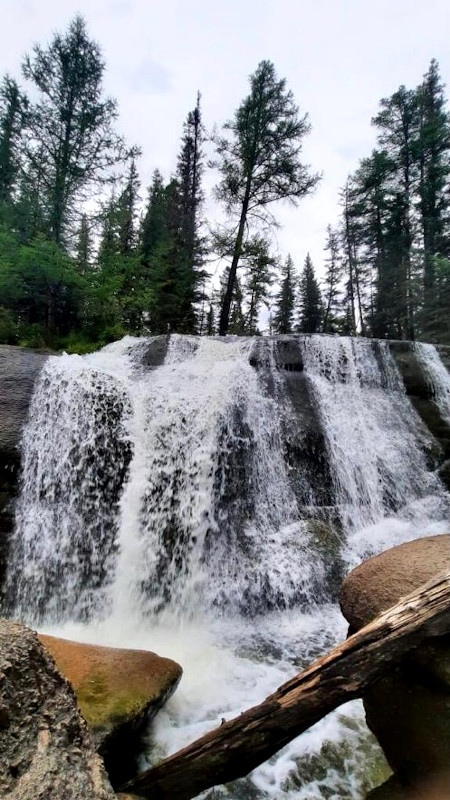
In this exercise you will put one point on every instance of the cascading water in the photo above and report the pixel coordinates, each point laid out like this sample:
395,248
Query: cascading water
177,503
437,376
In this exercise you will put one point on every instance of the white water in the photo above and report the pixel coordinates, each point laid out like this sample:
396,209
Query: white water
209,557
437,375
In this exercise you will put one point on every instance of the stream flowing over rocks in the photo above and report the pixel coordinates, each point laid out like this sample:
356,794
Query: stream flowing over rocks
203,498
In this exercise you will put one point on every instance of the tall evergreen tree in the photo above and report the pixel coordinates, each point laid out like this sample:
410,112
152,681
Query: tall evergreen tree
259,272
70,140
310,300
12,109
127,212
283,318
189,241
260,164
398,132
333,280
434,171
83,253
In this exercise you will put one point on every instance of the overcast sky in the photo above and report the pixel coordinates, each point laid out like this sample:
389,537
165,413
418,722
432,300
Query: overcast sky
339,58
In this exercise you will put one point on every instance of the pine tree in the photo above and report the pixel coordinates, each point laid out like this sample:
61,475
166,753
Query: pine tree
434,170
397,123
260,164
333,280
310,300
189,175
283,318
83,253
127,212
12,110
188,242
154,222
70,140
258,266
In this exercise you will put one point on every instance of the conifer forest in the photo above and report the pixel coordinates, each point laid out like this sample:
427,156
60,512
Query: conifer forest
88,254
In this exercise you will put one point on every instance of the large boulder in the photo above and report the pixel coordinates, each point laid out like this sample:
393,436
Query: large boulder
118,692
47,752
408,710
379,582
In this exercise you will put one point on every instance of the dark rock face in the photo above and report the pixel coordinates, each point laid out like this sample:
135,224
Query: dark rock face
420,392
47,752
19,369
303,437
154,352
408,710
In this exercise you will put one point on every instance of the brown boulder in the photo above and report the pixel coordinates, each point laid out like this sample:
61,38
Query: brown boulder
408,710
382,580
118,691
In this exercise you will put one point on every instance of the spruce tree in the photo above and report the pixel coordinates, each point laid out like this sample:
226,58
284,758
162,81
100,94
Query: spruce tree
83,253
70,140
333,281
13,106
189,242
434,171
258,267
283,318
310,300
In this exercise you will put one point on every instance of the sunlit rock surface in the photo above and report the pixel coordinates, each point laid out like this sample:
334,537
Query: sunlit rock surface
118,691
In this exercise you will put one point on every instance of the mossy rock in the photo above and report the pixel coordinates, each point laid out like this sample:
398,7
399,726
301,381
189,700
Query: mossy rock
118,692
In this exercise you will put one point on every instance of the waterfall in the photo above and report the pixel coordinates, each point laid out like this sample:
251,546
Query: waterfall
203,497
437,375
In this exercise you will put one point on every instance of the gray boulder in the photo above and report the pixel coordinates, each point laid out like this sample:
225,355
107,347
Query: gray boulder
46,750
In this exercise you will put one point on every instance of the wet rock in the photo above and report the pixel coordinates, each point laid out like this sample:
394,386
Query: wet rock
46,750
154,351
421,392
118,692
19,368
408,710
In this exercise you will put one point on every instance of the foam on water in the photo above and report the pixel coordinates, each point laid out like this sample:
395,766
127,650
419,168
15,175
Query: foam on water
157,511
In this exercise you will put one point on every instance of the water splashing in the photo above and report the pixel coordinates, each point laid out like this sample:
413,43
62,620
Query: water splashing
194,497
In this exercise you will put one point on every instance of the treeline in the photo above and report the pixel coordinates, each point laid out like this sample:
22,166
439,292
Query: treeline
84,259
388,259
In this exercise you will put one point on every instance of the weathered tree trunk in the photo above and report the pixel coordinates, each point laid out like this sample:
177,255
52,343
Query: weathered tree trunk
237,252
238,746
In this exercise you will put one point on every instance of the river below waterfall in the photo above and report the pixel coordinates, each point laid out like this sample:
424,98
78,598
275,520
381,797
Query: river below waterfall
204,502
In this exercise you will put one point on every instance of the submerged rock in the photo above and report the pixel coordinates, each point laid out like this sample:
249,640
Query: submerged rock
46,750
408,710
118,692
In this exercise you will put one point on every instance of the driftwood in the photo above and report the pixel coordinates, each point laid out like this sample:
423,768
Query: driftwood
238,746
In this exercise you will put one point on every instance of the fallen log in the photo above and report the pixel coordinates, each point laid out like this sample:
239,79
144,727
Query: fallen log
241,744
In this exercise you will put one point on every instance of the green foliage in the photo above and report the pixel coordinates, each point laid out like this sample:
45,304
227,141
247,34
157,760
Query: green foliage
13,106
9,333
283,320
70,144
310,300
333,278
259,160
